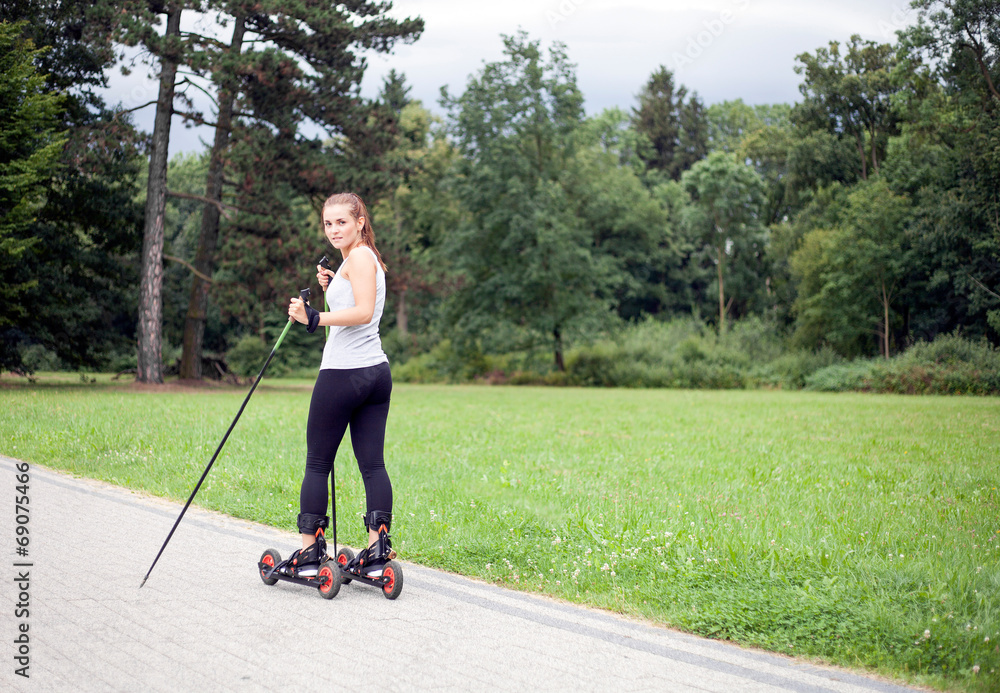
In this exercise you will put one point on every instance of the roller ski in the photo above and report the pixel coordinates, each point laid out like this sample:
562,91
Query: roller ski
310,566
375,565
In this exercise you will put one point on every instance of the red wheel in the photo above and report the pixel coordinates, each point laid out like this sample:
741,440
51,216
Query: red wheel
329,572
392,573
270,558
345,556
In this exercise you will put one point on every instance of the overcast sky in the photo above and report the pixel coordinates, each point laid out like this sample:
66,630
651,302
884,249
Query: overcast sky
723,49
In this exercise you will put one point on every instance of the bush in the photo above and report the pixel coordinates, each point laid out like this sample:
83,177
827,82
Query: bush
685,353
791,370
247,356
36,358
947,365
841,377
679,353
122,361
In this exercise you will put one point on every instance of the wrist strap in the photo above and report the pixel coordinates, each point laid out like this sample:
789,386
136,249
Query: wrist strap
312,315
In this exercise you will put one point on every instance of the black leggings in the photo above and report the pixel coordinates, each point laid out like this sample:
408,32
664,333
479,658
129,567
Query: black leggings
359,397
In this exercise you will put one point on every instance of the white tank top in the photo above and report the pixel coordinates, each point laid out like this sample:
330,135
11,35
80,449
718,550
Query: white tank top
354,346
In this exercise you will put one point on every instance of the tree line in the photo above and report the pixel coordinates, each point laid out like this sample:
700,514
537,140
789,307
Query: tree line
861,219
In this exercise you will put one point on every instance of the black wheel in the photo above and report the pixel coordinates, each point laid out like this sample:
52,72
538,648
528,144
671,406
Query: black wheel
392,573
345,556
331,573
270,558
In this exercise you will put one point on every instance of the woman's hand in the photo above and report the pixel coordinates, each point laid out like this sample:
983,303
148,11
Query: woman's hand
297,311
323,276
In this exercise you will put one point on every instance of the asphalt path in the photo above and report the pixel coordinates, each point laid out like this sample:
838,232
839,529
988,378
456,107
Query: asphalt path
204,620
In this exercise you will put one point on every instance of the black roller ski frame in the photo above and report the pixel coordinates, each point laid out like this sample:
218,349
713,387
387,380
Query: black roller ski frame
327,580
390,582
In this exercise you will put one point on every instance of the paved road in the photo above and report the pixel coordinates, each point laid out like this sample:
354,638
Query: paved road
204,619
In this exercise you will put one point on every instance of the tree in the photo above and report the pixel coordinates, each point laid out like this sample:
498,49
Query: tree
414,218
851,275
851,97
726,198
957,33
674,125
953,57
526,260
83,231
150,361
299,65
30,145
631,227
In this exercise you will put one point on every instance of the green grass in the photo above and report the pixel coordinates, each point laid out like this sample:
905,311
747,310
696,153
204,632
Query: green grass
862,530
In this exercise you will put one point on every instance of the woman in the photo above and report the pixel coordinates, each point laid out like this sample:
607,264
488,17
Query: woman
352,389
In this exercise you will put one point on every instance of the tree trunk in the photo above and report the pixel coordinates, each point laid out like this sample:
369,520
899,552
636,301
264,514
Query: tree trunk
859,140
194,323
885,321
402,320
722,294
560,363
150,353
872,133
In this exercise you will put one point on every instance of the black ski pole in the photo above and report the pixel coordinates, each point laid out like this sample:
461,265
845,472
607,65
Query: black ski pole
304,294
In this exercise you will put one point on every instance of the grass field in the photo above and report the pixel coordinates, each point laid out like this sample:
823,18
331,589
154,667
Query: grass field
861,530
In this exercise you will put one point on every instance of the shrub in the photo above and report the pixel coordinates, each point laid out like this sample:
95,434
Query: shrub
840,377
947,365
36,358
791,369
248,355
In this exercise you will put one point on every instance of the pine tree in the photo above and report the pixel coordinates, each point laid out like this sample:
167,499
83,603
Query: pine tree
268,84
30,144
675,125
86,225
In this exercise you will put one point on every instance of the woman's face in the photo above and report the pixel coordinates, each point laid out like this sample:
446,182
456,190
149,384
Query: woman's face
342,229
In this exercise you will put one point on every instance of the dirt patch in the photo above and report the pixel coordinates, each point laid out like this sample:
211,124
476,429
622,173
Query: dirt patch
181,386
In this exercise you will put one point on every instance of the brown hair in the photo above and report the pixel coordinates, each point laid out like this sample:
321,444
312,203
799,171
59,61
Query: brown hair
358,210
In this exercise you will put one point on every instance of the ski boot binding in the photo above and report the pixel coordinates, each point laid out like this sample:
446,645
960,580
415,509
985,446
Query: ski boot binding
309,566
375,565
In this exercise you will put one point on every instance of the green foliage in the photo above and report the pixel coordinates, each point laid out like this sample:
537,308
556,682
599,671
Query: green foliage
849,277
724,215
679,353
30,144
732,123
248,355
851,96
633,228
950,365
413,221
81,231
673,127
525,259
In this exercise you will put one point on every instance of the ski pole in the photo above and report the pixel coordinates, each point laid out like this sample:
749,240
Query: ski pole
324,262
304,294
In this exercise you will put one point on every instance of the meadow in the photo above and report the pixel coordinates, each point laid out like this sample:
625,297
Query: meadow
856,529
